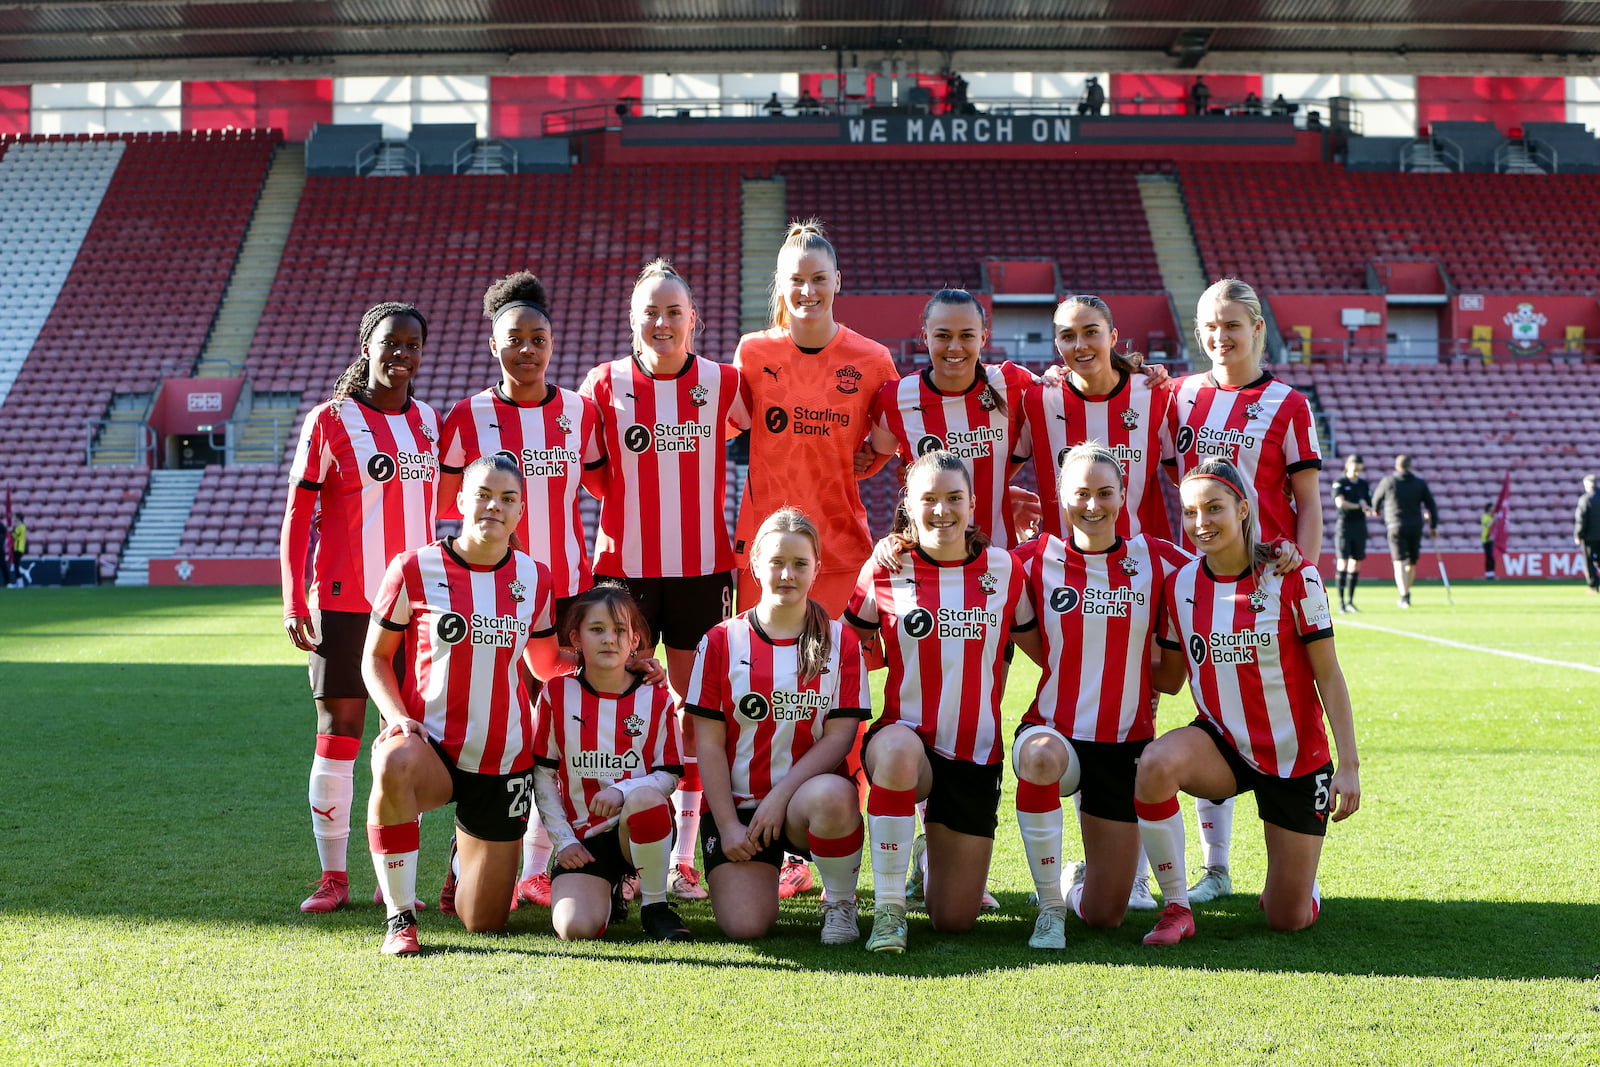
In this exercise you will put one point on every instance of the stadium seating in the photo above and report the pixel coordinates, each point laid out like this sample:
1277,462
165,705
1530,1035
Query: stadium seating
920,226
49,193
78,511
1315,227
1464,428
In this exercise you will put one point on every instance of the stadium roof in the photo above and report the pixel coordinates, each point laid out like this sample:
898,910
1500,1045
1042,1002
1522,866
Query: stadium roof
75,39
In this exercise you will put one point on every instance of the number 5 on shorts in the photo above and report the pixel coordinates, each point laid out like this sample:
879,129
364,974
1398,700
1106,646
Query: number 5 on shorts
1322,798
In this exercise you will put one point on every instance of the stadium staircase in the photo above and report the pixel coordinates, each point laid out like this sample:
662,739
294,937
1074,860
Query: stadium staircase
261,435
49,194
251,281
158,529
1177,255
764,224
124,438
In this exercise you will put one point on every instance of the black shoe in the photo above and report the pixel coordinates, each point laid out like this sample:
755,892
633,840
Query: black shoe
619,905
662,923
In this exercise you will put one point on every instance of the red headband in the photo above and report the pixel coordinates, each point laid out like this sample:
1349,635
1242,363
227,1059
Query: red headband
1217,475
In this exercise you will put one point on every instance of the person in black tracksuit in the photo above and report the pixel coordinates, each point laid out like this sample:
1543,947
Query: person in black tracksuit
1352,496
1402,497
1586,531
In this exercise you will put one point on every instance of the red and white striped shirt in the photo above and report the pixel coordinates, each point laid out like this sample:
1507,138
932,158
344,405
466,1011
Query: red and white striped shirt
1244,640
968,423
946,626
662,515
751,683
554,441
593,740
1099,615
375,473
1264,429
465,628
1131,421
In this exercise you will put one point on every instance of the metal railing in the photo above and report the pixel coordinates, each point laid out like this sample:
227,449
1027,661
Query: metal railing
375,156
1432,152
145,441
1404,351
1526,150
466,157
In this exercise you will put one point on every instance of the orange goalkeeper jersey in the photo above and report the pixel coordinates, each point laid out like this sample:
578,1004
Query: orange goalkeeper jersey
809,416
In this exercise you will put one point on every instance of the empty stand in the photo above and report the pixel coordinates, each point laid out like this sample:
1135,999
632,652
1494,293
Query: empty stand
49,194
920,226
1314,228
1464,427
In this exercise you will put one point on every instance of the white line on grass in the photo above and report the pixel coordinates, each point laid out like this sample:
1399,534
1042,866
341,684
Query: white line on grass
1472,648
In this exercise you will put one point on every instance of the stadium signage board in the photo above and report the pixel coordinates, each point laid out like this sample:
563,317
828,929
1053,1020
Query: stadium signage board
958,129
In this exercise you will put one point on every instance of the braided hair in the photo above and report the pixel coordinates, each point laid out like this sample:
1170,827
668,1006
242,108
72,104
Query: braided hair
354,378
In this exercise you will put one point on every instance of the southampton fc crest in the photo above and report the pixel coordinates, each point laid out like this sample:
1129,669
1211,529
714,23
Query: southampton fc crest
516,589
1258,600
633,726
1129,565
989,583
1130,419
986,399
1252,411
563,424
698,394
427,431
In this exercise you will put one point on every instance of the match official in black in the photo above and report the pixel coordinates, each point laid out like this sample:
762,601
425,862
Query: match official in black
1402,497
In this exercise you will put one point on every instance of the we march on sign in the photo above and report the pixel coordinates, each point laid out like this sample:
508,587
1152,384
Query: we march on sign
960,129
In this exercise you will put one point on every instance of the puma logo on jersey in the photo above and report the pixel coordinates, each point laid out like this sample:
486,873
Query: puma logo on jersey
494,425
579,719
325,814
771,371
630,396
445,585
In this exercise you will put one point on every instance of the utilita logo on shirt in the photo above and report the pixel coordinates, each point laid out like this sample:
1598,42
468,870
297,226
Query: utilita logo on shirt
604,764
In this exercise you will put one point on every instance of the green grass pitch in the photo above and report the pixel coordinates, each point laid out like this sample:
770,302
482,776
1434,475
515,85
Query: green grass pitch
154,844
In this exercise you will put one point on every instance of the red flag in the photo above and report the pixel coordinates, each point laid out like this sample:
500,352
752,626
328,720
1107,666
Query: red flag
1502,514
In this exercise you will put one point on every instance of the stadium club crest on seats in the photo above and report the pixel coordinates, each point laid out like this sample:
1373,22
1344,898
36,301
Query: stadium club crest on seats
185,570
1130,419
849,379
697,396
1525,323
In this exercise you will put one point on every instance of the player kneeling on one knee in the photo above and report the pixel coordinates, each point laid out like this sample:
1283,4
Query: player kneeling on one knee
1261,664
939,736
461,612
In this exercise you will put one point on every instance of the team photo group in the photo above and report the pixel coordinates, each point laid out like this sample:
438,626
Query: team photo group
676,714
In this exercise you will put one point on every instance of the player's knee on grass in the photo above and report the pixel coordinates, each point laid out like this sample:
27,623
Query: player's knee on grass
1046,757
895,758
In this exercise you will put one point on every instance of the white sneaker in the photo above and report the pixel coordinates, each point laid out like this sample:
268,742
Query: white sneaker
839,923
1049,929
1214,882
1140,899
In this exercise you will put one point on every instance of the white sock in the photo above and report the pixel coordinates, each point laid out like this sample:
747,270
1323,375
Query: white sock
535,849
1163,842
838,861
1075,899
396,871
1141,868
653,855
687,802
892,836
1041,838
1216,829
332,789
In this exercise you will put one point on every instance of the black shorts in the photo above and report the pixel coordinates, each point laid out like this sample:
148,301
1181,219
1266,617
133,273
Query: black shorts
1405,543
1350,539
335,664
1106,773
965,797
679,611
490,807
711,843
608,862
1299,804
